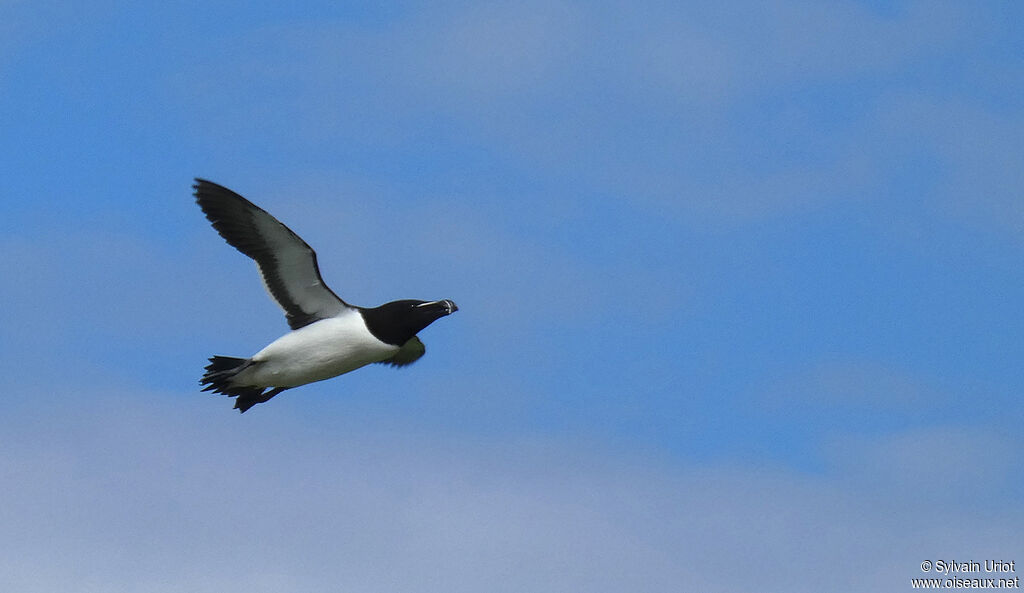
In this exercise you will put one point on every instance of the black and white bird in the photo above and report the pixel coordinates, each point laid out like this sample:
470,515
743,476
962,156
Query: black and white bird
329,337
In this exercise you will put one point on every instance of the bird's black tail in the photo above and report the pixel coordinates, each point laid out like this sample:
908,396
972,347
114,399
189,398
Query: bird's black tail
218,377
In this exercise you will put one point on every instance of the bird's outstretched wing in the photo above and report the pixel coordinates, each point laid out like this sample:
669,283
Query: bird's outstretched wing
287,264
409,353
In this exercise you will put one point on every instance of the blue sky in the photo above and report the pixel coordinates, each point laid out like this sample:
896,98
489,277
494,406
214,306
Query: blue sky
740,294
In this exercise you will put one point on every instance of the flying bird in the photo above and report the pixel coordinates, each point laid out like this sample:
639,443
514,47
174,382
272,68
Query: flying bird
328,336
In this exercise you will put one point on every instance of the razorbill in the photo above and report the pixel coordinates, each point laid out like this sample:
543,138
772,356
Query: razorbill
328,336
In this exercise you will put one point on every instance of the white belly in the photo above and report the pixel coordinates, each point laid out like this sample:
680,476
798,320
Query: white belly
321,350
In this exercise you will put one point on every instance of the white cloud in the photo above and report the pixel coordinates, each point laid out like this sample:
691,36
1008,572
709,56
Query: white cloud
152,492
979,151
967,467
496,51
813,40
848,384
641,104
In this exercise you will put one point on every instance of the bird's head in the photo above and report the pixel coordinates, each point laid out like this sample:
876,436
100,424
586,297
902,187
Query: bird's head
398,321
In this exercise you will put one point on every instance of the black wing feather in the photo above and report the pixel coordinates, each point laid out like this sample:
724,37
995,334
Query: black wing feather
286,262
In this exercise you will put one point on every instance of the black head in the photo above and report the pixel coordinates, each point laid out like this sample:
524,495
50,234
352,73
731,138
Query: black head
398,321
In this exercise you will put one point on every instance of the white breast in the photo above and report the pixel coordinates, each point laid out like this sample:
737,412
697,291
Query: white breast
318,351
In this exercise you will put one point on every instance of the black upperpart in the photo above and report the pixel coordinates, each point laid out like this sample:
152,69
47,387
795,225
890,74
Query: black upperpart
397,322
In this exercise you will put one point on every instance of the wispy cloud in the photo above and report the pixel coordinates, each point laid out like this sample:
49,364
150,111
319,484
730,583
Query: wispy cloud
646,106
168,496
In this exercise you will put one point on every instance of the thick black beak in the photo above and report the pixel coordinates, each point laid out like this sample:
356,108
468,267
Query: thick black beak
449,306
